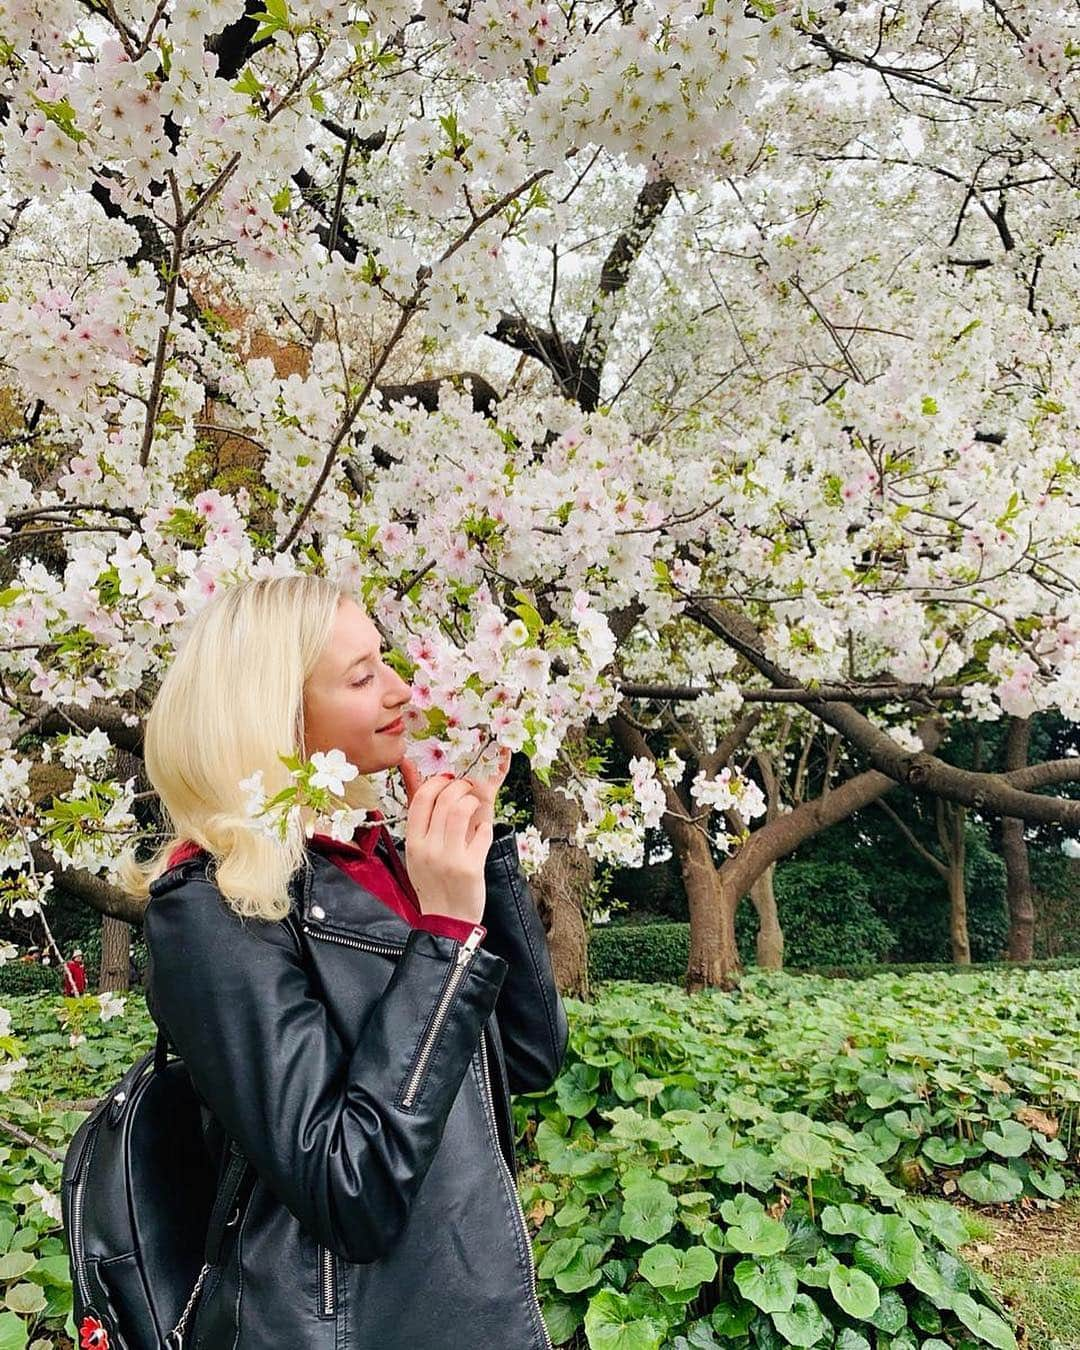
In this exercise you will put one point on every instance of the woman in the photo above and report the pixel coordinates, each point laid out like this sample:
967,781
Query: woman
345,1016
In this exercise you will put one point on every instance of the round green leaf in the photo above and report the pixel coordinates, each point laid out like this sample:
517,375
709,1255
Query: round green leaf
649,1210
12,1332
944,1152
771,1283
611,1325
806,1152
891,1314
855,1291
991,1184
805,1324
891,1258
985,1323
25,1298
849,1339
15,1264
582,1271
757,1234
1009,1140
669,1267
1050,1183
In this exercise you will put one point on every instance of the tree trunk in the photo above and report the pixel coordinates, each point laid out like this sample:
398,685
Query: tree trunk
770,938
714,957
1015,852
115,955
958,926
1018,890
561,882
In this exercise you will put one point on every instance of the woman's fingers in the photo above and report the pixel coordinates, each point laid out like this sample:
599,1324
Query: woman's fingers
450,796
410,776
422,805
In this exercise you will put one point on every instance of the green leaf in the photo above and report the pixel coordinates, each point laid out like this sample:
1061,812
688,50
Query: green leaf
854,1291
987,1325
758,1234
1050,1183
944,1152
582,1271
649,1210
770,1284
15,1264
891,1258
610,1324
991,1184
807,1152
805,1324
1009,1140
668,1267
849,1339
891,1314
12,1332
25,1298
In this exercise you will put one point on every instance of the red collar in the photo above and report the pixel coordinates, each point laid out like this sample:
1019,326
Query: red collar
364,839
363,842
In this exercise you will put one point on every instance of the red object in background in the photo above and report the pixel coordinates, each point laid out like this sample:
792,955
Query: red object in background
74,975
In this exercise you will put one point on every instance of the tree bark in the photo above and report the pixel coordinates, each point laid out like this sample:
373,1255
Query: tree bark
770,937
562,880
958,924
1014,849
714,957
115,955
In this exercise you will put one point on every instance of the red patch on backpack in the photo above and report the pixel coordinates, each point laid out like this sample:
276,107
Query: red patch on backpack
92,1335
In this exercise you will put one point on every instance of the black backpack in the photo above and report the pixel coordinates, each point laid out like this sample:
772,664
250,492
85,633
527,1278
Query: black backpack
145,1210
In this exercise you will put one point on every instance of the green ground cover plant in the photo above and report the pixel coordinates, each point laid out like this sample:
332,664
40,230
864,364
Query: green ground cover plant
757,1169
773,1166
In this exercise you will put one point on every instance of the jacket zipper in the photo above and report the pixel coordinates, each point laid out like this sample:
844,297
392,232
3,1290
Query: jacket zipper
511,1186
466,951
327,1282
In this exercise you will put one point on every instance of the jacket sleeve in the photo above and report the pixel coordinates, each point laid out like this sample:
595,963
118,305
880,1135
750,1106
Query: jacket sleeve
343,1139
532,1019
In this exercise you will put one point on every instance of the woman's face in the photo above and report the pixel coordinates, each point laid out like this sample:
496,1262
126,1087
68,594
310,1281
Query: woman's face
352,695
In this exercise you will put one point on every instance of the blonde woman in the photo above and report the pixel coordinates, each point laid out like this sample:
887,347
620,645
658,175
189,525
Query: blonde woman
352,1020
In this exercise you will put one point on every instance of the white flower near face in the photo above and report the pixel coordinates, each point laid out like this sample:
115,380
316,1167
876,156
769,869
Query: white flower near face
254,792
332,770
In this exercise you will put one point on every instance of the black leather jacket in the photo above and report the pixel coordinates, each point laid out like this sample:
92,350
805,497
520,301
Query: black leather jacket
364,1068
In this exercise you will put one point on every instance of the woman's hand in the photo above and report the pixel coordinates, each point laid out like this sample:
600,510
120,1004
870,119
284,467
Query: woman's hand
448,832
484,789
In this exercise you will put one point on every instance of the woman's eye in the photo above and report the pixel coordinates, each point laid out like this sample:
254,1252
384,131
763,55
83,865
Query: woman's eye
359,683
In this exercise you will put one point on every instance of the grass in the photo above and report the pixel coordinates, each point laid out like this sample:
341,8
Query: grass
1032,1257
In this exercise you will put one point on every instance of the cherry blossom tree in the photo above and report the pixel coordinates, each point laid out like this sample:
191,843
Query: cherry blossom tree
646,347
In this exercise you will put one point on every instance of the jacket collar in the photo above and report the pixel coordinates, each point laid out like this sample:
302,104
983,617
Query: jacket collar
329,899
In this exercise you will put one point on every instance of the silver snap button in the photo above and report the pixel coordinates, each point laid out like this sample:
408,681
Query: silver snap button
317,912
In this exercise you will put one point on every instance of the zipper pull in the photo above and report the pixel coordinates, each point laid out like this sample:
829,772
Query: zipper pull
470,945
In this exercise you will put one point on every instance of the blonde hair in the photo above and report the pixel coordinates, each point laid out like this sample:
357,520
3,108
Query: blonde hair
230,702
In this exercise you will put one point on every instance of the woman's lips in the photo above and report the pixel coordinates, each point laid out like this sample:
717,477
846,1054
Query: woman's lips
394,729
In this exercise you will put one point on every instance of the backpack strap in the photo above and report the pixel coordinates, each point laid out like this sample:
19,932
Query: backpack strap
226,1209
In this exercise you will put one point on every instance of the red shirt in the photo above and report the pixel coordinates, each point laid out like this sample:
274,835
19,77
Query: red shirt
387,879
76,976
